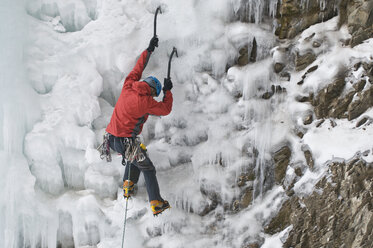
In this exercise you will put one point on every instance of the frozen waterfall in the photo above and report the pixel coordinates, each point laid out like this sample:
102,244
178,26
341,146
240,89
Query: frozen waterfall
63,64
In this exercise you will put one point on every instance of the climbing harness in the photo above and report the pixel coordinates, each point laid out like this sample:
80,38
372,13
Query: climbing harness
134,150
104,148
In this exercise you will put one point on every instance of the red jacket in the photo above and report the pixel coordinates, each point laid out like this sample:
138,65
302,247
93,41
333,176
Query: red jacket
135,103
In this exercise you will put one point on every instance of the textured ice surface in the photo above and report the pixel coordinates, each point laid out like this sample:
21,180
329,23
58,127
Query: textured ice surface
56,190
64,16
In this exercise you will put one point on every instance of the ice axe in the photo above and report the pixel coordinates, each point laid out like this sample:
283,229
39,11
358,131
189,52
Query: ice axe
155,20
174,50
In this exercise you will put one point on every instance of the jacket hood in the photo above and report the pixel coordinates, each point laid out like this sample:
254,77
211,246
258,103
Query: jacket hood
142,88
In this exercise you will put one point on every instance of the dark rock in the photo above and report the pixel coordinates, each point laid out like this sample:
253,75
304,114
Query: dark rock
302,61
358,15
309,159
278,67
333,123
327,95
361,104
361,121
360,85
236,206
290,192
365,153
254,245
281,221
302,98
268,95
300,82
361,35
300,134
308,119
278,89
310,37
367,66
212,194
285,75
246,198
357,65
298,172
318,124
338,107
316,44
249,243
342,13
253,53
330,102
274,89
293,17
338,214
282,159
312,69
243,59
244,178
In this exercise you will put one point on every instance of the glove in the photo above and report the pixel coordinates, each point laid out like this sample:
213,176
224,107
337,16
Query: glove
152,44
167,85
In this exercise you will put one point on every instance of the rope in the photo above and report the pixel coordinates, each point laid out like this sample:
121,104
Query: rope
131,155
125,213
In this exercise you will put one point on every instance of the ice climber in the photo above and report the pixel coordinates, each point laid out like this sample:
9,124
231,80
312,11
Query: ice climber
131,111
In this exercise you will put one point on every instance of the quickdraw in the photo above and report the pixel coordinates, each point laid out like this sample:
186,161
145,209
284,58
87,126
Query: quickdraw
134,150
104,148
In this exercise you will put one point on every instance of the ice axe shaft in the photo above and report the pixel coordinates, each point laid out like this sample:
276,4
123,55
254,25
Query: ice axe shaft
174,50
155,20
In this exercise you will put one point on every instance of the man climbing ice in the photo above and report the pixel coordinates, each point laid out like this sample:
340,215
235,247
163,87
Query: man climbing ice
131,111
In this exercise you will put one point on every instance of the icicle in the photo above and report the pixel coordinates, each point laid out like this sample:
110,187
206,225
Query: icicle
256,10
273,8
322,5
304,4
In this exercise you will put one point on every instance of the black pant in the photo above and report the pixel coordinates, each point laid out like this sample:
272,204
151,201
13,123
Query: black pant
146,166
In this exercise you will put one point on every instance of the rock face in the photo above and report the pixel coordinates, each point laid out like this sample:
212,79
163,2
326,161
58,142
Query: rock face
295,16
361,104
244,57
330,102
302,61
358,14
338,214
328,97
282,159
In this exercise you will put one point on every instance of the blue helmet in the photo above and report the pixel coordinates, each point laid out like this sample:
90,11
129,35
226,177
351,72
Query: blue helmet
154,83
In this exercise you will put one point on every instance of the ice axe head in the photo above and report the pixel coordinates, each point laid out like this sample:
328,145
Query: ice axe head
159,9
174,50
155,19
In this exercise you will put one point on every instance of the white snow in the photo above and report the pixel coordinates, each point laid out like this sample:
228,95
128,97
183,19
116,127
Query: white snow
57,100
343,141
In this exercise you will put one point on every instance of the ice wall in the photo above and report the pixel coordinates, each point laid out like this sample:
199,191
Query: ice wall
19,109
64,16
71,195
220,128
